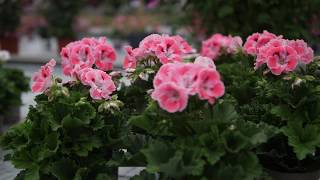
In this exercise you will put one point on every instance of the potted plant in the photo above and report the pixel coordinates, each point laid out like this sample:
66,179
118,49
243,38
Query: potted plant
60,16
288,98
10,11
13,83
275,82
76,130
189,133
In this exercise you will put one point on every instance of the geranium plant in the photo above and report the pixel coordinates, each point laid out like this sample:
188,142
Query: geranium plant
76,129
286,96
190,132
275,81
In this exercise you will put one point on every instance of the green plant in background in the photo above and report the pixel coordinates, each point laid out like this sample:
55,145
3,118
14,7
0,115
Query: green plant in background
60,15
10,11
288,17
67,135
13,83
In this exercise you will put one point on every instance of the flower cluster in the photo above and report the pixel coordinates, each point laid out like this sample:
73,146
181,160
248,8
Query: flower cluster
85,53
174,82
165,48
280,55
42,78
218,44
78,60
100,82
258,40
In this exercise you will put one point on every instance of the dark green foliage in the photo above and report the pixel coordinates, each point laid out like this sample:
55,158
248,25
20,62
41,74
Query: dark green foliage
203,141
10,11
289,102
67,135
13,83
60,15
292,18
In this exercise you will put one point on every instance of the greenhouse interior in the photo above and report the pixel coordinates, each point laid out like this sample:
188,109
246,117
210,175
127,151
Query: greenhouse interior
159,90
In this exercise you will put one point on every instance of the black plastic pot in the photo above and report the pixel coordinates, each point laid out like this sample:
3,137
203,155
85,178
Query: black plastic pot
277,175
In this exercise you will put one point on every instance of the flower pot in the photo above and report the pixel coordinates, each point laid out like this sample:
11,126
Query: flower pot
277,175
9,43
13,115
62,42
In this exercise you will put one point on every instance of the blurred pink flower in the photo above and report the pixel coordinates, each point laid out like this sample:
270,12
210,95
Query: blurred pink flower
218,44
258,40
42,78
305,53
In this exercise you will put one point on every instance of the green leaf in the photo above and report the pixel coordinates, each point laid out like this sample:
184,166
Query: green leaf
281,111
81,174
162,157
32,174
235,141
74,122
224,112
63,169
304,140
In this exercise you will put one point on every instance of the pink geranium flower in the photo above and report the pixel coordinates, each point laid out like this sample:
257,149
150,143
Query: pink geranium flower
42,78
100,82
305,53
84,54
105,56
210,87
205,62
186,79
168,51
278,56
166,48
218,44
186,76
258,40
171,97
165,74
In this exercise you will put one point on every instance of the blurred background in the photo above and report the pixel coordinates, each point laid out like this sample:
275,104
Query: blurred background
33,31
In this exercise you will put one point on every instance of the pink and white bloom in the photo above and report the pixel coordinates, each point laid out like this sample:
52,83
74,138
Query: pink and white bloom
218,44
186,76
258,40
85,53
165,74
42,79
105,56
100,82
210,87
305,53
170,97
205,62
168,51
278,56
174,82
164,47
